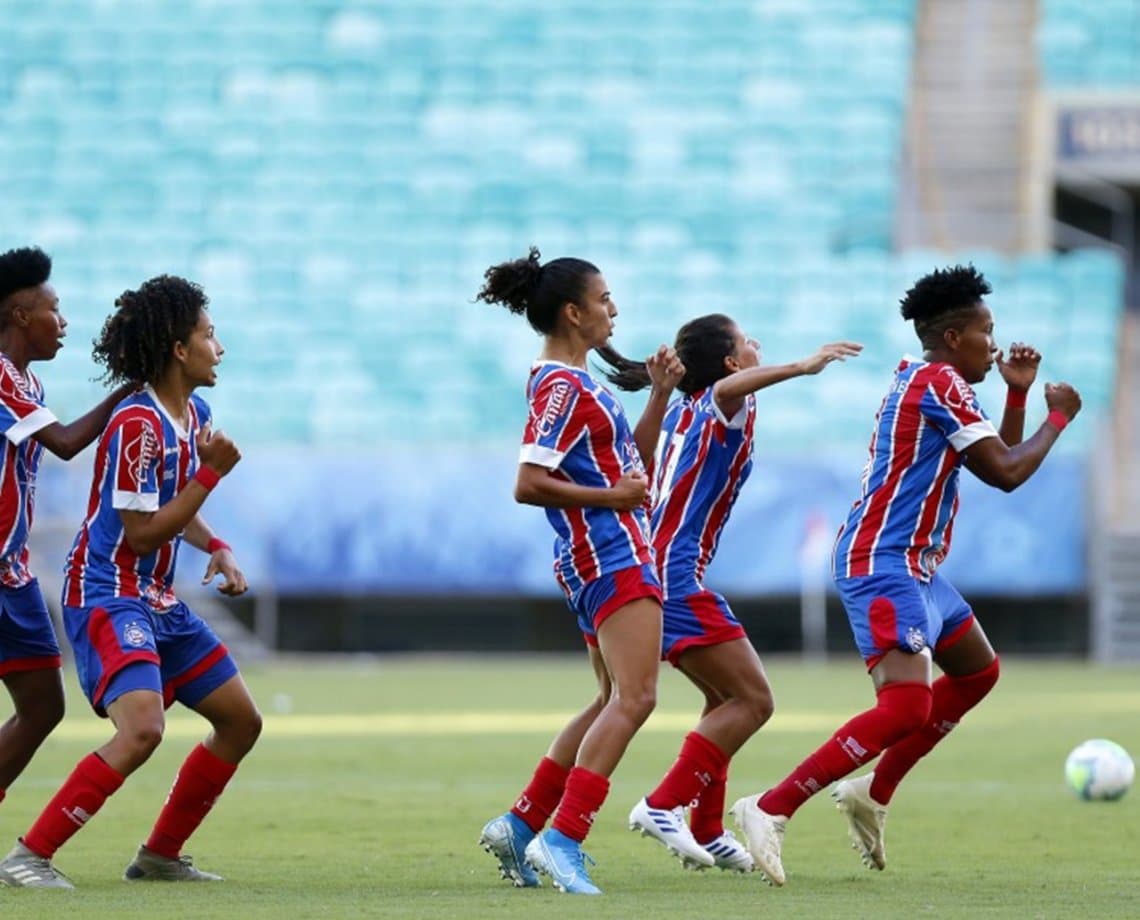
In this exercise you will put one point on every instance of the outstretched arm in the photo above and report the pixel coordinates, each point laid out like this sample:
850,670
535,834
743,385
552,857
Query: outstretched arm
65,441
729,392
1004,467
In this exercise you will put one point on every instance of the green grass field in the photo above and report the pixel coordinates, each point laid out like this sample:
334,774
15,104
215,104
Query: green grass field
372,780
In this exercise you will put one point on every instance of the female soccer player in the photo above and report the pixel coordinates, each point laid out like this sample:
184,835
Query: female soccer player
31,329
704,458
137,647
903,613
582,463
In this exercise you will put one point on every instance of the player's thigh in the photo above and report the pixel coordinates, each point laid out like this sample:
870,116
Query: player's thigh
230,704
968,654
732,669
601,673
629,640
37,693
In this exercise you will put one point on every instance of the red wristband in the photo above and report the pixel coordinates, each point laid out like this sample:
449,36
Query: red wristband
1057,419
207,477
1015,399
215,544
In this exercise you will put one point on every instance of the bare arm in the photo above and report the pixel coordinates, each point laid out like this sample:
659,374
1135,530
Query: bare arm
1004,467
535,486
665,370
1019,372
730,392
222,562
65,441
146,531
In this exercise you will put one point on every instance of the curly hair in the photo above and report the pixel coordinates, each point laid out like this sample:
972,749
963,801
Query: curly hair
702,344
28,267
527,287
136,344
938,301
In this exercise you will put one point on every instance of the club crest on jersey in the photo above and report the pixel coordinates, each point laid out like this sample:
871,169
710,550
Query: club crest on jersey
134,635
559,402
915,639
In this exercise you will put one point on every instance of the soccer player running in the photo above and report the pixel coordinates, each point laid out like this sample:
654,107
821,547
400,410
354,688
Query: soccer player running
31,329
703,459
137,647
582,463
903,613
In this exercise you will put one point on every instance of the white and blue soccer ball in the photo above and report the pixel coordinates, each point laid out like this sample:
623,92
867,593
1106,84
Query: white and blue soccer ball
1099,770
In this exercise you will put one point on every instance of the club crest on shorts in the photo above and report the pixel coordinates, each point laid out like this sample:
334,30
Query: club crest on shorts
915,639
134,635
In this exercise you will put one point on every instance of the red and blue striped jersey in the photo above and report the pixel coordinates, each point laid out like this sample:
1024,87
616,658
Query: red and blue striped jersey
904,516
703,459
577,430
143,460
22,414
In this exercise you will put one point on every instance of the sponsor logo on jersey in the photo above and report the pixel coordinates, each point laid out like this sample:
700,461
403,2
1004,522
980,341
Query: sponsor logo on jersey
560,399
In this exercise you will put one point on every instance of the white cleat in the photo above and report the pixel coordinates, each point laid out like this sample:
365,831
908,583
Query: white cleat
669,828
866,819
765,836
730,854
22,868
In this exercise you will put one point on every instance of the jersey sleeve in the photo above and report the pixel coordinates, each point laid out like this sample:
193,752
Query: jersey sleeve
22,414
740,419
135,463
559,416
951,406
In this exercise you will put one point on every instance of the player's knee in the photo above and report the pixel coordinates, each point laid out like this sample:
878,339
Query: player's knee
988,676
973,687
908,705
638,702
140,740
42,716
760,705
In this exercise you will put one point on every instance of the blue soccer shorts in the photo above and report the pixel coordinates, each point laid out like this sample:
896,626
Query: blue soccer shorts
27,637
124,645
696,619
894,610
596,600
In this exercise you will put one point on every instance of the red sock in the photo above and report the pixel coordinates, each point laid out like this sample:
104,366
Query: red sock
199,782
953,698
2,794
699,761
82,794
542,794
902,708
706,819
584,795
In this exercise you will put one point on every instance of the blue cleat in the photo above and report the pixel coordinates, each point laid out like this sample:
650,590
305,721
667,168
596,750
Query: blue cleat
560,857
505,838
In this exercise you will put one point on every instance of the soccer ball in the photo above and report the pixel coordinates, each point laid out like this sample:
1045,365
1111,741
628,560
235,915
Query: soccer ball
1099,770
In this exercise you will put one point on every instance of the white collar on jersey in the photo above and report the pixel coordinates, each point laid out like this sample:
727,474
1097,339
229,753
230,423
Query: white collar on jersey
182,433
